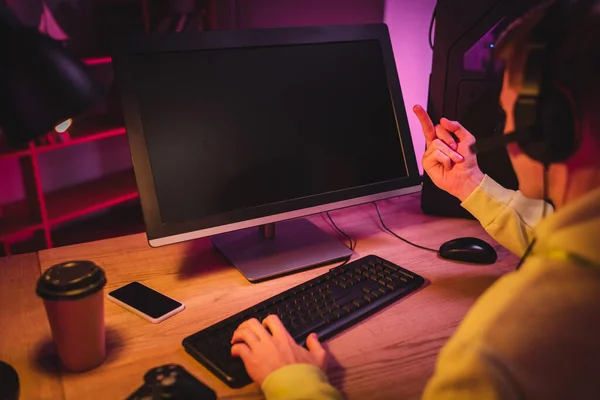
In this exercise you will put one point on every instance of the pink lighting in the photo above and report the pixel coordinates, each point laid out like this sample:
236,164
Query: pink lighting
97,60
408,23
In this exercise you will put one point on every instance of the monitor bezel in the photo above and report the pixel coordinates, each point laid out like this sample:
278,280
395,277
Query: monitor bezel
160,233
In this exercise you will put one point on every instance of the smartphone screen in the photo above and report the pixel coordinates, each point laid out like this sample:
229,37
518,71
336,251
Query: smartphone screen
146,302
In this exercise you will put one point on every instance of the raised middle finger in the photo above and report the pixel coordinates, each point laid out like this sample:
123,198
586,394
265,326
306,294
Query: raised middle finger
426,123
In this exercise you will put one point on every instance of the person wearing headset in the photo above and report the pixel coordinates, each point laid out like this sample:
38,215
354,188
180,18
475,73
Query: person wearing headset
534,333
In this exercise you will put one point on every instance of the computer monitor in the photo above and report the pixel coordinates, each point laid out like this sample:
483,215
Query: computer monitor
233,130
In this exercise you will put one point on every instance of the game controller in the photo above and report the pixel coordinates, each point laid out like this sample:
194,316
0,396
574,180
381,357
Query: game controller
172,381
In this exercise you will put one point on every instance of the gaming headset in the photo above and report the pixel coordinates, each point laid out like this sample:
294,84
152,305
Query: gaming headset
546,115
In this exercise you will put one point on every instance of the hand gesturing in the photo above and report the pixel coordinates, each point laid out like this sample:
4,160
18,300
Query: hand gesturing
449,162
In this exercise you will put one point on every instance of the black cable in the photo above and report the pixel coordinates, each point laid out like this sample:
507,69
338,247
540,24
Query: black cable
390,231
526,254
352,243
546,200
433,18
545,189
346,261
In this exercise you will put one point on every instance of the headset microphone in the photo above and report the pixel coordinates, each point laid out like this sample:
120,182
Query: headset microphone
498,142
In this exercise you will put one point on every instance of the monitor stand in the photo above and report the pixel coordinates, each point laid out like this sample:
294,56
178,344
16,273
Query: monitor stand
259,253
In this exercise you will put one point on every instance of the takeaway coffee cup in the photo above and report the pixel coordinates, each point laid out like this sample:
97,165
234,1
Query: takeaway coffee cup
74,301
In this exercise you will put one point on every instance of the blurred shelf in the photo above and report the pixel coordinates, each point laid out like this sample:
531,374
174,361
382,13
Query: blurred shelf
81,131
30,244
75,201
17,223
7,151
100,218
124,219
88,130
99,208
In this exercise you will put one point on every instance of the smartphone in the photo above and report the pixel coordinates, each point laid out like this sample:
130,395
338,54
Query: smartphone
145,302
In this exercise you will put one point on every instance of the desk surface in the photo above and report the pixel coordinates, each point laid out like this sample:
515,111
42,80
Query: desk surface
24,330
389,355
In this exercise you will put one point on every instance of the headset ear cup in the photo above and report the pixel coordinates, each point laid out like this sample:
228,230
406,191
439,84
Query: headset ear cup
558,120
555,138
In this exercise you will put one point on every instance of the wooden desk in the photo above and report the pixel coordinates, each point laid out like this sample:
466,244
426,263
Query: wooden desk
24,330
389,355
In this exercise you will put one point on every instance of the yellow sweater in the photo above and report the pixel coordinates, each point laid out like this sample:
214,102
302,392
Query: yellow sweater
534,334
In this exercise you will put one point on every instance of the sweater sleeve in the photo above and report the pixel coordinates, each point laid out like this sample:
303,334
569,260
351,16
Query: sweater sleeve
299,382
507,215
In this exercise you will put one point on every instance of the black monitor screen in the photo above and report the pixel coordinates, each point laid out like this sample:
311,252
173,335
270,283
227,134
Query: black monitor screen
236,129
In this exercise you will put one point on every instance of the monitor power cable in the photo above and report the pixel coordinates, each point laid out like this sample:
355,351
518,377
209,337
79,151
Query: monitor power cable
352,243
399,237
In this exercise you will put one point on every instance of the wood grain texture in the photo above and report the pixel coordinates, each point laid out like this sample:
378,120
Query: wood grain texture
25,338
389,355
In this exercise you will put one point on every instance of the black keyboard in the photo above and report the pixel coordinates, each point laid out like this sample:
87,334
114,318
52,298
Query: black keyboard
325,305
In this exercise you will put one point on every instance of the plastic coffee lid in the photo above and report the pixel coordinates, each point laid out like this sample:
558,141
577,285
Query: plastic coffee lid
70,281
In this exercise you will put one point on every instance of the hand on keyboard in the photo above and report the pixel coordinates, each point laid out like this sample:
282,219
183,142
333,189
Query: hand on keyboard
264,351
325,305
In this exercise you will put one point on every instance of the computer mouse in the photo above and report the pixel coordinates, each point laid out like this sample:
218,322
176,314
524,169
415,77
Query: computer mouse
9,382
468,249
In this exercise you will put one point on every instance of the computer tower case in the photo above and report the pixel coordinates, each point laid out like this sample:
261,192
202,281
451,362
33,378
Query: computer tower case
465,84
